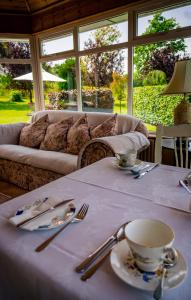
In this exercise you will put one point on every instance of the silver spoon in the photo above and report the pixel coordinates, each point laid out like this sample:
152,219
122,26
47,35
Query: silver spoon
169,262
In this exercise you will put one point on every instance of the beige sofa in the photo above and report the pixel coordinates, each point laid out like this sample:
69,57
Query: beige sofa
30,168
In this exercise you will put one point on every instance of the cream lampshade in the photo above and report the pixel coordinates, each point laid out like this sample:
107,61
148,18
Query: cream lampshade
180,83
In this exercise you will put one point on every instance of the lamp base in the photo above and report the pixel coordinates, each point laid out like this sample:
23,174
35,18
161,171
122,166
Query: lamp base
182,113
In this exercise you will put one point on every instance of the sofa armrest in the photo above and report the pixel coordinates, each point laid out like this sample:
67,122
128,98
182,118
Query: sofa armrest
9,133
99,148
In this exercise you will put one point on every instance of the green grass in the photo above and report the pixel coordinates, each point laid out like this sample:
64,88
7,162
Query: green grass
12,112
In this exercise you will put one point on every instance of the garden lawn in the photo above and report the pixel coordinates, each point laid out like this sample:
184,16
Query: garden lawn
12,112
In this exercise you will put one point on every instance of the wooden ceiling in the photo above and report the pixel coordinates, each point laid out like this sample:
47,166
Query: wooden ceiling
27,6
31,16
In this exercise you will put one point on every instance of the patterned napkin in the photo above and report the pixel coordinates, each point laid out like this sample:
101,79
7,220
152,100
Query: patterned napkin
45,221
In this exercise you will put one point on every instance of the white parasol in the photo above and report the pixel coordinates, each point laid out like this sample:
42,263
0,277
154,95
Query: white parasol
45,77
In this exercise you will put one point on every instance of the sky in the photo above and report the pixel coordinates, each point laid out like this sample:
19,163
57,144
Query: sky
182,15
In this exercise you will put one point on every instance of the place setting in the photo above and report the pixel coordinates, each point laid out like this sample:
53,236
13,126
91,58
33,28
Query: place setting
46,214
127,161
142,255
186,182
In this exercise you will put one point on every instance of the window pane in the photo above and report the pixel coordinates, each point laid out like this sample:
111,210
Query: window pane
153,69
15,48
57,44
152,22
60,92
106,32
104,81
16,96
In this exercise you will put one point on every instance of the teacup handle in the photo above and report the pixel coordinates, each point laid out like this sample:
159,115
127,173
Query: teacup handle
117,156
171,256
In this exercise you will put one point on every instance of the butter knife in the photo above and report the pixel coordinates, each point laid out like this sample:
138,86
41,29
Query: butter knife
44,212
145,172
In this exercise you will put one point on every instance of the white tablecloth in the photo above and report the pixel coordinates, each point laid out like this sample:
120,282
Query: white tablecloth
161,185
25,274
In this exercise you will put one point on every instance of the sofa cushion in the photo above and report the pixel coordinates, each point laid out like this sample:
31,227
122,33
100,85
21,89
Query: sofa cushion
32,135
56,136
125,123
78,135
59,162
106,128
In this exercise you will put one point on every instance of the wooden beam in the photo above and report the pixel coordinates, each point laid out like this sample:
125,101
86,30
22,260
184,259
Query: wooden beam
71,11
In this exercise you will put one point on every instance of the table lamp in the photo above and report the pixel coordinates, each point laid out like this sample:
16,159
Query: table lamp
180,83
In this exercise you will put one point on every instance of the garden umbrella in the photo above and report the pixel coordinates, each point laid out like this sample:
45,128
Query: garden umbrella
45,77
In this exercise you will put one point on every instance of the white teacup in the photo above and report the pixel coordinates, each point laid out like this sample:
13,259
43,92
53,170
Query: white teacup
149,241
127,159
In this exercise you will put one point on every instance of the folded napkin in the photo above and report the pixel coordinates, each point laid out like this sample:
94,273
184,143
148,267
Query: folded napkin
48,218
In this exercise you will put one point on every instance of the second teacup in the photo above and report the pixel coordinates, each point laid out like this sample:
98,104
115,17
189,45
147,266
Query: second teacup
127,159
149,241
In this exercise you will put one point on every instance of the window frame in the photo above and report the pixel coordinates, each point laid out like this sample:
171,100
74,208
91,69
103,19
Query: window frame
73,27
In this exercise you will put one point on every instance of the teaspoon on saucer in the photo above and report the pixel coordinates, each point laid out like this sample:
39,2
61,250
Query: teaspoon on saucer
169,262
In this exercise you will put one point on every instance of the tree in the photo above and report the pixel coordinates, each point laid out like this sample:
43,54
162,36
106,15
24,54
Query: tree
119,88
66,71
15,50
144,53
163,59
100,66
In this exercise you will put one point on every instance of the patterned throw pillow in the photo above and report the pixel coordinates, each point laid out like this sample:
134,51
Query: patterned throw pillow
56,136
107,128
78,135
33,134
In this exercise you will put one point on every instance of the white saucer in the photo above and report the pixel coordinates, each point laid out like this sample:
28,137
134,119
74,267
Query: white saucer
136,165
124,267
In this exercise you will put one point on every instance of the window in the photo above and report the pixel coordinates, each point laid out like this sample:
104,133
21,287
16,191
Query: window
179,16
57,44
116,28
16,95
60,89
101,59
104,81
153,69
15,48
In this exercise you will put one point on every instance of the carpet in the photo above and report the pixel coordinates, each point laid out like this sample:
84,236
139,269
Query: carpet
4,198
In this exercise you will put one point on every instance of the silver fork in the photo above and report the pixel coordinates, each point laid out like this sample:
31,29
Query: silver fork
76,218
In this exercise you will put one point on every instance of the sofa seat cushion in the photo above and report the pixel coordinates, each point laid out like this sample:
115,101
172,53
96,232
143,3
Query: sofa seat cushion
59,162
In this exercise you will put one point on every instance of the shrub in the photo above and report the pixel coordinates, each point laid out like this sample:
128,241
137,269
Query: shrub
101,98
16,96
152,107
155,77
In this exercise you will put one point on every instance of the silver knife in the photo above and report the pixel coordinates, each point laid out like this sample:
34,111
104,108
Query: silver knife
43,212
148,170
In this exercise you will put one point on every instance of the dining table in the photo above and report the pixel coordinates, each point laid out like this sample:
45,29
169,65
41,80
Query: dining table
114,196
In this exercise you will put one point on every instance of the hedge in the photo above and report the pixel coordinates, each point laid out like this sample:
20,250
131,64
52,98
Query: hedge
152,107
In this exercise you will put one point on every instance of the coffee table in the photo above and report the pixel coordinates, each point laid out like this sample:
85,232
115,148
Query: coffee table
25,274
